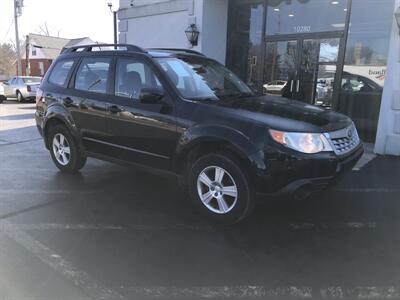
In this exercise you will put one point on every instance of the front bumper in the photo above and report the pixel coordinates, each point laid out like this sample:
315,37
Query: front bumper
279,172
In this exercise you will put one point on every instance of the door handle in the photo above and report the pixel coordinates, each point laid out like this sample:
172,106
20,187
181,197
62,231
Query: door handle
68,101
114,109
298,86
291,86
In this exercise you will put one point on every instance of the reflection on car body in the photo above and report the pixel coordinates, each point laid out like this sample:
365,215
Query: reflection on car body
274,87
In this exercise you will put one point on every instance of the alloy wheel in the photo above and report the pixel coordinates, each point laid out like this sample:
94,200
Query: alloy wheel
217,189
61,149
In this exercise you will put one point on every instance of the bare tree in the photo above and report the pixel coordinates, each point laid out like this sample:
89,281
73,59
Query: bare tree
44,29
7,59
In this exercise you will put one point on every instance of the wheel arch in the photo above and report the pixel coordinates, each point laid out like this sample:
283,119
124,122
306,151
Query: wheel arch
213,139
57,116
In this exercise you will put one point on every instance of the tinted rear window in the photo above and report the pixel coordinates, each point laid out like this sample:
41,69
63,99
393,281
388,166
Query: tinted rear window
32,79
60,72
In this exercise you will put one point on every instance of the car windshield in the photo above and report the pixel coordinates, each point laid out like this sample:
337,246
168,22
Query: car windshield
32,79
203,79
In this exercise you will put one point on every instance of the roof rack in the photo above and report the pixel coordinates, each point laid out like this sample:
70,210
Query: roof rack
89,48
178,50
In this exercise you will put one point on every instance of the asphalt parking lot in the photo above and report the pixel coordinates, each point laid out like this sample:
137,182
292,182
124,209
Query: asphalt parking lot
117,233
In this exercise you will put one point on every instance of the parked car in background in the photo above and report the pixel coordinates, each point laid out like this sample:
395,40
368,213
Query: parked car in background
22,87
2,97
274,87
181,112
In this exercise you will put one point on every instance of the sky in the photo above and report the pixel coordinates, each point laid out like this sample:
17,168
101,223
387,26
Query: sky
64,18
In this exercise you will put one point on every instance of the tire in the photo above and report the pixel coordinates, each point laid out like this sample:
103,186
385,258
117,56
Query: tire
236,208
70,162
20,98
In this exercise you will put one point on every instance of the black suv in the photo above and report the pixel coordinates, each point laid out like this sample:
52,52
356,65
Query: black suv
179,111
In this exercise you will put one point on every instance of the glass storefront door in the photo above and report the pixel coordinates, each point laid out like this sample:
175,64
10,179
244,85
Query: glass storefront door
303,68
245,38
280,67
324,52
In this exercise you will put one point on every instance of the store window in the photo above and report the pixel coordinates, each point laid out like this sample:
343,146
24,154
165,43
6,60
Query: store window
365,63
244,41
305,16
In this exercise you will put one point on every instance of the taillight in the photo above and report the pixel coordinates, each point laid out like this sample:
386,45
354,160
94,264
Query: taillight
39,95
29,88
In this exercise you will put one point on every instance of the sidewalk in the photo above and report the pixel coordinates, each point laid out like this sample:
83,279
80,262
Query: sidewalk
382,173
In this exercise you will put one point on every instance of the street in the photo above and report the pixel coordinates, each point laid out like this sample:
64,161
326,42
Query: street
113,232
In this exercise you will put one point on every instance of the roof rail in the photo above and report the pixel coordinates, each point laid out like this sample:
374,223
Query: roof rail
89,48
178,50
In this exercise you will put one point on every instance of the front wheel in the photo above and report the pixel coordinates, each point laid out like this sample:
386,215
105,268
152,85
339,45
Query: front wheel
219,189
64,150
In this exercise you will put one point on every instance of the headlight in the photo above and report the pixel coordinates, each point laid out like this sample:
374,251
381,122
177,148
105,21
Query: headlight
302,142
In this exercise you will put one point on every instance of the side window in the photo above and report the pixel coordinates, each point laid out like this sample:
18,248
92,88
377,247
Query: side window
60,72
131,76
92,75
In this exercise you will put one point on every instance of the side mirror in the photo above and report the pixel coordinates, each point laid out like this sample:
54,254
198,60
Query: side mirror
151,96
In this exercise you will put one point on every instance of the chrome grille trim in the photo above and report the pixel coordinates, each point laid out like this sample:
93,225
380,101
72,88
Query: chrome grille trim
344,140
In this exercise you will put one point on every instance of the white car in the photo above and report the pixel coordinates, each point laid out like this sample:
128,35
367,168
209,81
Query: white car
2,97
274,87
22,87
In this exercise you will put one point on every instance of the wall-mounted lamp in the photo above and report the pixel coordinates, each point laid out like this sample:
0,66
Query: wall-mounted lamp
397,16
192,34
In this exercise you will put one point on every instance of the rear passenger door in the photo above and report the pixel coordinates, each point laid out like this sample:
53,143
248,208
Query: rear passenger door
88,98
143,133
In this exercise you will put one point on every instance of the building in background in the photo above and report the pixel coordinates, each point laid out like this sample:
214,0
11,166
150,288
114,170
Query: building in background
338,54
43,50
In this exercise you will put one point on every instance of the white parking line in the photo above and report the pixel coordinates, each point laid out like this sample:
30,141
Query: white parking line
53,226
95,290
367,190
246,292
295,226
334,225
54,192
56,262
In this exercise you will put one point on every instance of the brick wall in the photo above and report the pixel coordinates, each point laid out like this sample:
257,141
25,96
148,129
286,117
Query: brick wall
35,66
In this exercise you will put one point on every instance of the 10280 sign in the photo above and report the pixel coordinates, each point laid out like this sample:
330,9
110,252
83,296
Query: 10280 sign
302,28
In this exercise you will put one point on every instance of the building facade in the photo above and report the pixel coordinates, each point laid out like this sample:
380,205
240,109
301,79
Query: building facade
342,55
41,50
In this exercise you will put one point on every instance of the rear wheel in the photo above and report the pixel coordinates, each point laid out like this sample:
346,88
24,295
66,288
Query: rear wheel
219,189
20,98
64,150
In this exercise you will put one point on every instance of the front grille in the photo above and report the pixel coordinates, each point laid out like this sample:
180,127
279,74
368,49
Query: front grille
344,140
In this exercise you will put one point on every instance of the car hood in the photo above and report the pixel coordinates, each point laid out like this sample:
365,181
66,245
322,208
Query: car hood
286,114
